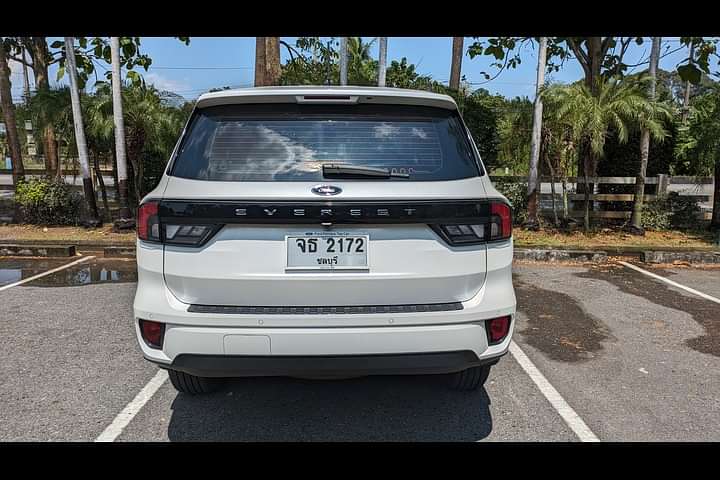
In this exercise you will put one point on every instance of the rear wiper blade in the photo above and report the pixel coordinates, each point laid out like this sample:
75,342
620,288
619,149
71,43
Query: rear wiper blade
345,170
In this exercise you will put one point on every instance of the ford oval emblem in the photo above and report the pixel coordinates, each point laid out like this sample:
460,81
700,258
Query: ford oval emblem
326,190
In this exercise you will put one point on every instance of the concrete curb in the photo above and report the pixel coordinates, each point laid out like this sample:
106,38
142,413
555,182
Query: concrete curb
552,255
15,250
670,257
119,252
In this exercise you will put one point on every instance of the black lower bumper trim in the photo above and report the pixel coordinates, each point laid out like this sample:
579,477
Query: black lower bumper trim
326,365
336,310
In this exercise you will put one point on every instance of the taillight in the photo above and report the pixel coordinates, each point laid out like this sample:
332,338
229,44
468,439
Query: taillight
498,227
497,329
149,228
148,222
500,221
187,234
153,333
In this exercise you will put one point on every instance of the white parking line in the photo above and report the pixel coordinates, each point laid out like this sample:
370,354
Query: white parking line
567,413
131,409
39,275
670,282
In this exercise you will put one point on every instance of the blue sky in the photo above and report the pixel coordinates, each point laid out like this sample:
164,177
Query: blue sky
215,62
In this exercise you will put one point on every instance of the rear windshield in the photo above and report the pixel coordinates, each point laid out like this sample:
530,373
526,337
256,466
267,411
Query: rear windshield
289,142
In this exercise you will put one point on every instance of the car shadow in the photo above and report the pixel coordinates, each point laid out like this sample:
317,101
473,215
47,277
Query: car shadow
381,408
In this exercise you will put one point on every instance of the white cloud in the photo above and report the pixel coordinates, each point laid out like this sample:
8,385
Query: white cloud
163,83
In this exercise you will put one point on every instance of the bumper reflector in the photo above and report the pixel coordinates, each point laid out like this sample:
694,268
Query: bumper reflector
497,329
153,333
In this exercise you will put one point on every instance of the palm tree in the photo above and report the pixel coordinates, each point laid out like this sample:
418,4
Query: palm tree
120,157
382,62
617,104
80,130
8,108
150,127
50,111
362,68
636,219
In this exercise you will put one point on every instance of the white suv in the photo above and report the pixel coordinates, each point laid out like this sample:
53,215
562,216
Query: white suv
324,232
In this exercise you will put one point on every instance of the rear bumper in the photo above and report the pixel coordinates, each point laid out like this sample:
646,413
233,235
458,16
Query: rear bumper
321,339
327,366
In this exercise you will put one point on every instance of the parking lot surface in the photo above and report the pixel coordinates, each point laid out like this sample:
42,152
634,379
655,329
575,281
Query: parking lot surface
634,358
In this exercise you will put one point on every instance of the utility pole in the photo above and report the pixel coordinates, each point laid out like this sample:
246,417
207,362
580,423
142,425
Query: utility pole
456,63
382,61
533,183
686,100
259,61
343,61
80,130
636,219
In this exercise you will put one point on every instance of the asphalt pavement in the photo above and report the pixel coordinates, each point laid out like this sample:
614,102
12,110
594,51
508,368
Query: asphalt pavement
635,358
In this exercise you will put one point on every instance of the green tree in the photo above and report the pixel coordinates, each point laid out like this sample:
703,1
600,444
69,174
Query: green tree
699,142
8,110
622,105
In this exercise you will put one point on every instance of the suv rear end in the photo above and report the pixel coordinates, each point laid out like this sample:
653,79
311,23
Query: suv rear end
324,232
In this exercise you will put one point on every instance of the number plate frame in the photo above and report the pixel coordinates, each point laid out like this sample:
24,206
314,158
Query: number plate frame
365,267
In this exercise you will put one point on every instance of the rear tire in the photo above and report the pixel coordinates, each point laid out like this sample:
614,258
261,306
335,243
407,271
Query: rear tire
470,379
192,385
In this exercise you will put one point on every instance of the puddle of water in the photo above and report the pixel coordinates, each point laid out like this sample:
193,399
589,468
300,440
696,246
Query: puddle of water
558,325
14,270
91,272
705,313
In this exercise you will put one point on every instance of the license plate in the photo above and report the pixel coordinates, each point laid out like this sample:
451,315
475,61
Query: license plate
327,251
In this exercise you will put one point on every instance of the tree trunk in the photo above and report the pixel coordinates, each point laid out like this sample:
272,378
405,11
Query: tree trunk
456,63
101,182
715,221
119,156
686,99
80,130
260,61
41,59
636,219
587,191
8,108
136,145
272,61
532,192
552,189
343,61
565,197
382,61
115,178
26,79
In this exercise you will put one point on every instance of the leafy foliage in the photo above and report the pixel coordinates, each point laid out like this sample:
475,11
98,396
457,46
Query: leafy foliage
620,105
698,146
48,202
671,210
516,193
508,53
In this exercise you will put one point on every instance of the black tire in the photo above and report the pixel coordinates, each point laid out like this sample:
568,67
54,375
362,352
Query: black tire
470,379
192,385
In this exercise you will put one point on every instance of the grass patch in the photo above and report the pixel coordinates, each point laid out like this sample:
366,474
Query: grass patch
10,233
614,238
